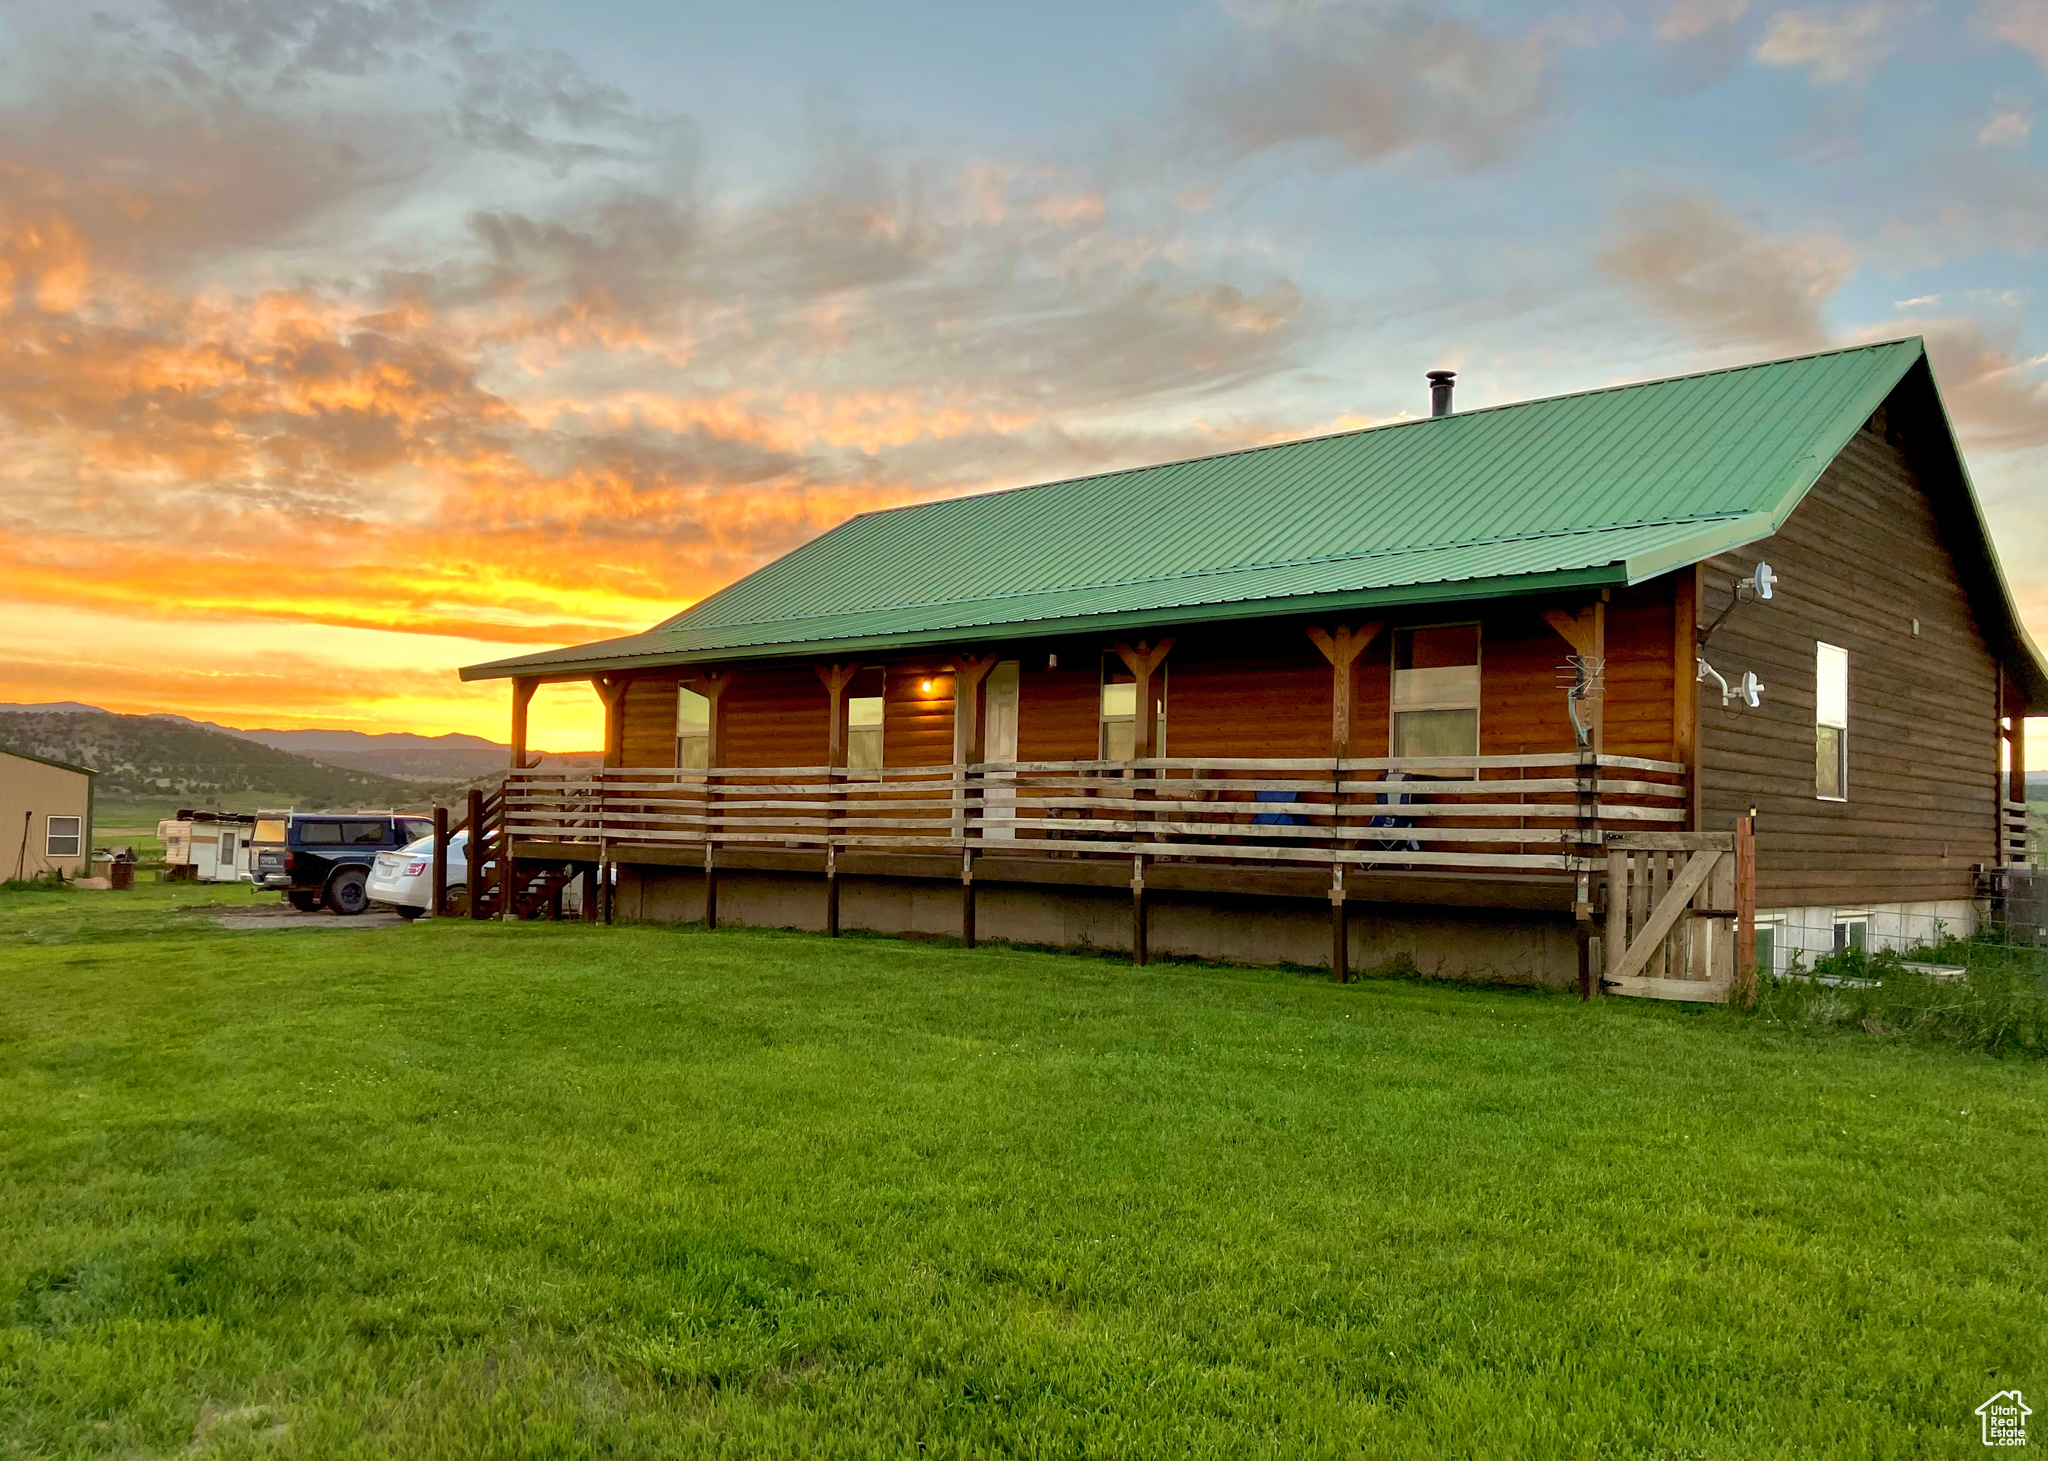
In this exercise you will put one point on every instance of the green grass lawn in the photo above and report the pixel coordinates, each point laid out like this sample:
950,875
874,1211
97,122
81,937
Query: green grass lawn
458,1189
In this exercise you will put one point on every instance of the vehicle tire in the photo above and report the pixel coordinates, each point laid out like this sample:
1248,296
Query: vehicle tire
458,900
348,892
407,911
304,902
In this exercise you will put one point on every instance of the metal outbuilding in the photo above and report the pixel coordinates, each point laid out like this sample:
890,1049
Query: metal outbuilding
45,816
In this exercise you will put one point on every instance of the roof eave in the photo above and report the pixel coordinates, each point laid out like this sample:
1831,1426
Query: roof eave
1599,576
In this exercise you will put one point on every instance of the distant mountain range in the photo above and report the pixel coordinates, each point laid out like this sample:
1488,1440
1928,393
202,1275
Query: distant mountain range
157,760
396,756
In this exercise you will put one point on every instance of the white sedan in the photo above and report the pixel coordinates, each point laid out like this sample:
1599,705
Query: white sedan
404,880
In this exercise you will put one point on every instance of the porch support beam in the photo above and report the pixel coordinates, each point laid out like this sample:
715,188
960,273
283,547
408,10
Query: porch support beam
970,704
837,678
1341,647
712,685
1586,633
611,689
1143,660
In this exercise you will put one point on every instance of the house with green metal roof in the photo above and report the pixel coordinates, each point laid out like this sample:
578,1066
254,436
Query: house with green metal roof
1461,662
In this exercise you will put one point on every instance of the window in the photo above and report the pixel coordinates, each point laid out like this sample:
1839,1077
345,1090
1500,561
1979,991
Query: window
1119,735
693,730
1769,936
1436,691
1831,723
1852,931
63,836
366,834
319,834
864,736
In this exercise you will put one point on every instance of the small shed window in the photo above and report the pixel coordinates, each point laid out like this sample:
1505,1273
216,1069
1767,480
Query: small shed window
864,735
63,836
1831,723
1119,737
1436,691
693,730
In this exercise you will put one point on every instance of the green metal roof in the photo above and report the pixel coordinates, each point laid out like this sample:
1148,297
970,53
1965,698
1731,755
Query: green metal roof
1605,487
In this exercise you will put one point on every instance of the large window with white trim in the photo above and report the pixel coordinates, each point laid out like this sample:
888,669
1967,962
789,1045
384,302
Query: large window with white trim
1436,691
864,735
1831,723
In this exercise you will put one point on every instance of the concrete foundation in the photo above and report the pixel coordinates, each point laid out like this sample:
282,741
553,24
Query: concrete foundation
1491,945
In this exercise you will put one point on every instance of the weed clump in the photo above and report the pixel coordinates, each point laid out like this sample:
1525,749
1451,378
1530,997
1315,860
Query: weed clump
2000,1008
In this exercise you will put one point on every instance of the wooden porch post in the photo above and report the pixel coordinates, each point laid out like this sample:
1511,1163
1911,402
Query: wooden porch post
1144,663
611,689
970,737
837,678
2000,742
475,853
1586,633
1341,648
523,687
508,872
712,685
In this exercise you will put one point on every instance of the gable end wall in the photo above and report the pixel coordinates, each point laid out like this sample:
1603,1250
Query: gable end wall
1859,560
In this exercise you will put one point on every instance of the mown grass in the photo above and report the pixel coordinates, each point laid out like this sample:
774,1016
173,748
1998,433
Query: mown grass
467,1190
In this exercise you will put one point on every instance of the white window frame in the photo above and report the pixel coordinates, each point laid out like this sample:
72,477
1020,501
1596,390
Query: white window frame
688,741
76,836
876,734
1831,717
1476,704
1847,918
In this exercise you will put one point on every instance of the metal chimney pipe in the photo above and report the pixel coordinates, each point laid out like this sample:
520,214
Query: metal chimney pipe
1440,391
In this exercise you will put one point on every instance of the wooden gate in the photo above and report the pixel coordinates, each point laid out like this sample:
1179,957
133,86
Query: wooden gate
1681,914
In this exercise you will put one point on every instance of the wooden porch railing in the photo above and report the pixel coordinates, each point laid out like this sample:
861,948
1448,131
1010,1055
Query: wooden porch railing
1531,813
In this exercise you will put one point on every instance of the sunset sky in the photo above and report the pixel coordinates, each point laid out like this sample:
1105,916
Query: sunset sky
347,342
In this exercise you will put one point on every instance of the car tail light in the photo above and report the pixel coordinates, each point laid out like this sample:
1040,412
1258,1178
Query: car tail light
414,869
291,862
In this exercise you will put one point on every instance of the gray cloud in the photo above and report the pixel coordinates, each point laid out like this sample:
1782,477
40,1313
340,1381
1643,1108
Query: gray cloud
1371,82
334,37
1997,400
1726,283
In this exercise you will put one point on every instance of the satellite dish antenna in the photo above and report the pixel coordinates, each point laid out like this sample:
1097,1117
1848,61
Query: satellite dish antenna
1761,582
1751,689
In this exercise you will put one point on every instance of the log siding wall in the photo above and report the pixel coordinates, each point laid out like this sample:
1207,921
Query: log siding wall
1859,560
1258,688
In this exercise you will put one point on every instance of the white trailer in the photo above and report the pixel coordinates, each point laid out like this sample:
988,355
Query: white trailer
207,847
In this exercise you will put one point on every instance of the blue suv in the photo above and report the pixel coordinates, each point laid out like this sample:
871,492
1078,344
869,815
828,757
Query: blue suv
326,859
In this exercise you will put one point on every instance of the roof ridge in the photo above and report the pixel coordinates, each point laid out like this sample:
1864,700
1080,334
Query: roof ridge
1633,385
1728,515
